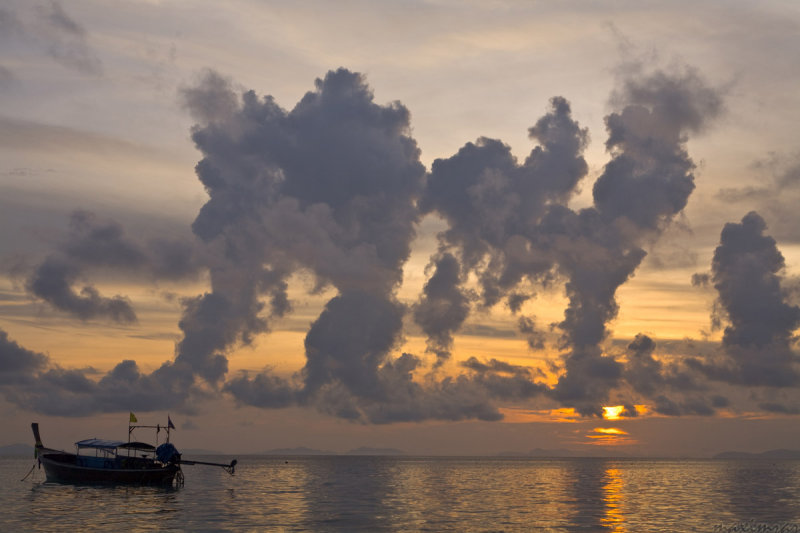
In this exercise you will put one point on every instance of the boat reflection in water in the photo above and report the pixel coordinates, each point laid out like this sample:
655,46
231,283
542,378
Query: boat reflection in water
100,461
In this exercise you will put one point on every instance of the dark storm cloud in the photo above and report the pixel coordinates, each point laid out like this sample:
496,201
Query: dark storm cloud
95,245
747,273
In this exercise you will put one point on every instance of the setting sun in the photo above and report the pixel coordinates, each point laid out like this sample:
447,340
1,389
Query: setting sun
613,413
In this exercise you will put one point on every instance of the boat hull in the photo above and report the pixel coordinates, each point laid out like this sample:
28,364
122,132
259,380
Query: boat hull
63,468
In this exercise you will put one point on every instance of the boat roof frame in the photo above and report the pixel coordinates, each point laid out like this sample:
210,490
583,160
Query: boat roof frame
99,444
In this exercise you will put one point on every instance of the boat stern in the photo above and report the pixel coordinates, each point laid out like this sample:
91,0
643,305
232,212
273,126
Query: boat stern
37,437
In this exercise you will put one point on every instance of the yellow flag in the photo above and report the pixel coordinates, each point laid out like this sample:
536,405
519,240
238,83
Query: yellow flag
133,418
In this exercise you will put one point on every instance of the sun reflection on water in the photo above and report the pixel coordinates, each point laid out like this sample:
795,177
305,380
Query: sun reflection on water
613,499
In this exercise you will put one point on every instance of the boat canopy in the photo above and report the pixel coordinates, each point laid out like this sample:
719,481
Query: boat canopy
100,444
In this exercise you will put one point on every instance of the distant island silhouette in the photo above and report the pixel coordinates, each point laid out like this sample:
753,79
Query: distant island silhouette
769,454
17,449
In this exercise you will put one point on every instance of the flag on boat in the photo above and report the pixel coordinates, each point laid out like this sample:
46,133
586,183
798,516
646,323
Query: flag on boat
170,425
132,419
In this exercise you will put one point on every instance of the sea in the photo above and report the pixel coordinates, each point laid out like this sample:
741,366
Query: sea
378,493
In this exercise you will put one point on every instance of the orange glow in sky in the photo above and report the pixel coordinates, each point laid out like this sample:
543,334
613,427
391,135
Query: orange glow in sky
610,431
610,437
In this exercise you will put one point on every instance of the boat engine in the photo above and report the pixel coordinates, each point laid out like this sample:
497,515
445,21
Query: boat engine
168,453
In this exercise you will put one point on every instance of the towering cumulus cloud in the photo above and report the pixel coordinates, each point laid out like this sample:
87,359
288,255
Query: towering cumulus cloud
510,224
747,272
333,189
647,182
330,188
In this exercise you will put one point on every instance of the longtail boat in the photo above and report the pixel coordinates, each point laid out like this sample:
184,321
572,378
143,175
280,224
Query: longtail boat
100,461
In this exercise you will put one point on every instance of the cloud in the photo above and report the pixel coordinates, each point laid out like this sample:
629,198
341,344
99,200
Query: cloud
10,24
747,273
490,202
506,381
443,306
329,188
777,195
93,245
65,40
52,282
350,340
18,364
692,406
334,189
535,337
47,27
671,389
26,135
649,376
263,390
70,392
6,77
33,381
510,224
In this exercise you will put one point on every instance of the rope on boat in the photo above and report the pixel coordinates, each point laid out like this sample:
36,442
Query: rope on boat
29,471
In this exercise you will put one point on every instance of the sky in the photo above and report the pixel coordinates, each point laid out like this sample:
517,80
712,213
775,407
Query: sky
444,227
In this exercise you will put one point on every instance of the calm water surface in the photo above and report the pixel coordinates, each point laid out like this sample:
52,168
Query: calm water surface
421,494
